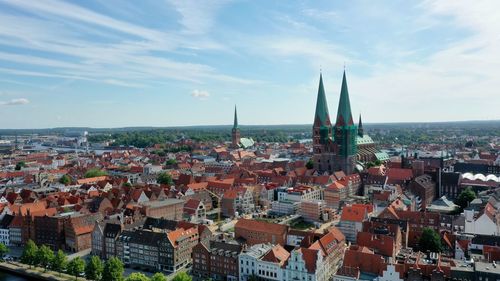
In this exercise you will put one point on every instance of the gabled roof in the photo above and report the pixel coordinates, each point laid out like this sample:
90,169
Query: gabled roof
353,213
278,254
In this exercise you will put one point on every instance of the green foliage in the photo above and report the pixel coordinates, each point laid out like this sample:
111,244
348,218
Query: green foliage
59,262
164,178
65,179
465,197
94,172
171,162
76,267
310,164
29,255
94,268
182,276
3,250
253,277
127,184
113,270
20,165
430,241
137,276
44,256
158,277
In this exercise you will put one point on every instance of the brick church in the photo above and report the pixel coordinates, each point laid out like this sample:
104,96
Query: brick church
339,146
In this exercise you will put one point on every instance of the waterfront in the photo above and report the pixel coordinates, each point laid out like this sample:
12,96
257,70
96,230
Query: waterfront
5,276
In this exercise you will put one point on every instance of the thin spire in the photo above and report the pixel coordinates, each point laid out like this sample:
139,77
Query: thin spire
321,113
235,124
360,127
344,116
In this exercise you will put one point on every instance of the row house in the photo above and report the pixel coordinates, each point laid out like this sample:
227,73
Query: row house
217,260
78,231
352,218
237,200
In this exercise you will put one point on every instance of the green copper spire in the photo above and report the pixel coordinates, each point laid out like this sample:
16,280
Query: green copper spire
235,124
344,116
321,105
360,127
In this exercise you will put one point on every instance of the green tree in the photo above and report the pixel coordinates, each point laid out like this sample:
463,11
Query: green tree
465,197
165,178
94,268
95,172
430,241
20,165
137,276
3,250
113,270
158,276
76,267
253,277
182,276
65,179
310,164
29,255
59,262
44,256
171,162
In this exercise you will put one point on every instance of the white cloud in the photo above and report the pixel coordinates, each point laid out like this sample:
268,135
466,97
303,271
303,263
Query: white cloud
197,17
20,101
200,94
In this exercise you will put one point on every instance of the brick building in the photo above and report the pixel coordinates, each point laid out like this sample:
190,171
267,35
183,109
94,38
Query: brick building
170,209
217,260
255,232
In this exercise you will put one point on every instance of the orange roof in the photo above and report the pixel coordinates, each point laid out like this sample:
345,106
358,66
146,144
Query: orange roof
353,213
91,180
277,254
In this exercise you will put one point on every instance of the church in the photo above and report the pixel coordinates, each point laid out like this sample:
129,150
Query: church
343,145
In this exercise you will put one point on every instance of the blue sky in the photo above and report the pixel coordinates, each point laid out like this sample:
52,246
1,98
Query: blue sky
165,63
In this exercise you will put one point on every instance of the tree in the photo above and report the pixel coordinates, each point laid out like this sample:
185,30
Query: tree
94,268
137,276
182,276
44,256
171,162
430,241
465,197
165,178
29,253
65,179
158,277
3,250
95,172
59,262
113,270
310,164
253,277
76,267
20,165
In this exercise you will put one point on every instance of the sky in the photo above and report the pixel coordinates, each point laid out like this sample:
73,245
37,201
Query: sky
165,63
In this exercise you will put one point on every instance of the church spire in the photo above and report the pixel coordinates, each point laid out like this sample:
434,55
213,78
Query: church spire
235,124
321,117
360,127
344,116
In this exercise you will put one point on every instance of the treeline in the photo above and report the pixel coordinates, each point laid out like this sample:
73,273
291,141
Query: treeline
95,269
144,139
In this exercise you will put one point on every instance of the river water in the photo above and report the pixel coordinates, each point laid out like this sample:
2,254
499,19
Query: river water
4,276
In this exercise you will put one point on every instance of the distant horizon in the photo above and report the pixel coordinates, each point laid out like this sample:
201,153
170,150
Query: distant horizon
242,125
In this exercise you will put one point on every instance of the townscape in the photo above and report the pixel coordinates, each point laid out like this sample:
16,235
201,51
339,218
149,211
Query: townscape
334,205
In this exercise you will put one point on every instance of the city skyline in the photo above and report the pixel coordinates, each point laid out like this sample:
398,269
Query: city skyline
175,63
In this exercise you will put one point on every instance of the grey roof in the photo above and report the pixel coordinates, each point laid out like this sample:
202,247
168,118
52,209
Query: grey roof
143,237
487,268
159,223
491,240
7,219
112,230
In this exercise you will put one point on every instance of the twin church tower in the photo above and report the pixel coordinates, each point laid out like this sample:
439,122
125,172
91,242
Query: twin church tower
334,145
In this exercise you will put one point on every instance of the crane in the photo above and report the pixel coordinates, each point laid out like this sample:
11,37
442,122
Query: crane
219,199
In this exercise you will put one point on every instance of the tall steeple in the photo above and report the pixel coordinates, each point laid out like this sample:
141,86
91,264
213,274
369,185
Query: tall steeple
321,117
344,116
360,127
235,124
235,132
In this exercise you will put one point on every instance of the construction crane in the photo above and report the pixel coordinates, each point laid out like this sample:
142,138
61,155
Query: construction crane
219,199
